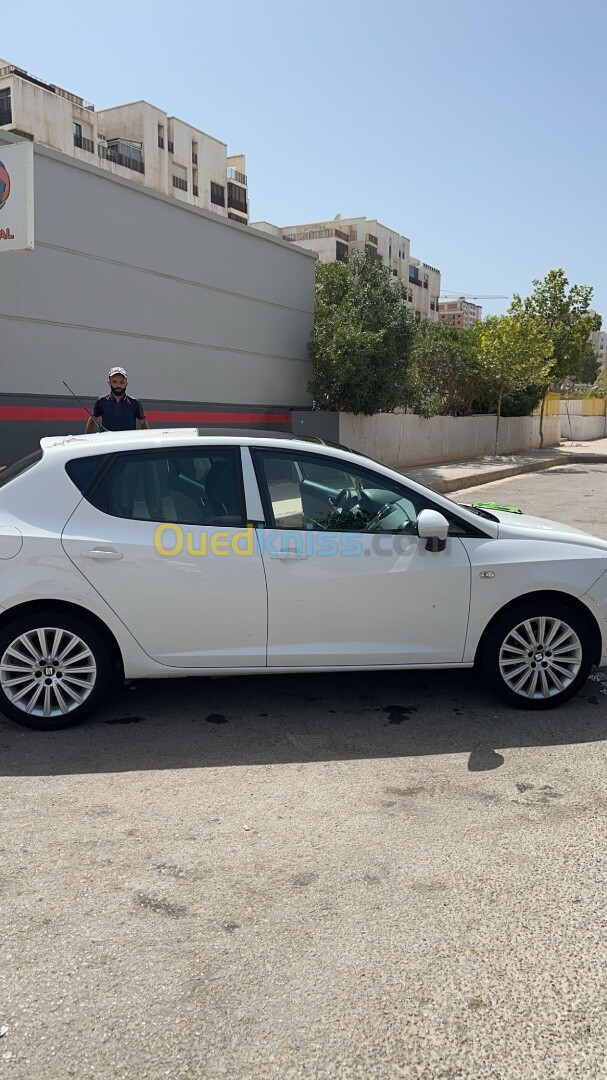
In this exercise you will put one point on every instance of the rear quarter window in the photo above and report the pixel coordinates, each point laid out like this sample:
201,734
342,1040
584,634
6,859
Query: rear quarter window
82,471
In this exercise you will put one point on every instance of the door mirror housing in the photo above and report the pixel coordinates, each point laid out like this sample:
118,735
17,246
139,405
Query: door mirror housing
434,528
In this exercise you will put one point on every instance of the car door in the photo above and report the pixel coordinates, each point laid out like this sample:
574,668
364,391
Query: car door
160,535
349,581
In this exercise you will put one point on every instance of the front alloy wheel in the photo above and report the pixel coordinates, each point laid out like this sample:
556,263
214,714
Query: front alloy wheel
538,654
54,669
540,658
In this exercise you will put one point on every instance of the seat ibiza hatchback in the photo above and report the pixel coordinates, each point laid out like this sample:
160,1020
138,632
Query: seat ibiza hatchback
174,553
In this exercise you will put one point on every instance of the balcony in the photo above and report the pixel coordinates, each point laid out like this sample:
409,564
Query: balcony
109,154
233,174
6,117
415,280
370,239
21,74
317,234
84,144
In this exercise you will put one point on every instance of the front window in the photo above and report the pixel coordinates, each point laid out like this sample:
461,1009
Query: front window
307,491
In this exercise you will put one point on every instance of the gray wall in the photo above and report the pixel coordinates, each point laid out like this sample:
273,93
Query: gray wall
196,308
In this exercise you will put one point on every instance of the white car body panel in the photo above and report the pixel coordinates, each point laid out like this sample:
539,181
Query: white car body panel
184,610
399,607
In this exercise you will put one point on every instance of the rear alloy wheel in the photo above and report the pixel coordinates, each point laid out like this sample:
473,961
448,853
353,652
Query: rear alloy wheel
538,655
54,670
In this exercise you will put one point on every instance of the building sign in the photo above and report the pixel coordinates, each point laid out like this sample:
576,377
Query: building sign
16,197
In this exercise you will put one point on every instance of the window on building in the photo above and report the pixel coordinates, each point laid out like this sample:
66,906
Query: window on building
6,112
82,137
341,251
180,183
194,153
237,198
218,194
123,153
161,136
195,190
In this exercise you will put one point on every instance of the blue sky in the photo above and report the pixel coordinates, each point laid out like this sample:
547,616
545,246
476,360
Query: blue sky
475,128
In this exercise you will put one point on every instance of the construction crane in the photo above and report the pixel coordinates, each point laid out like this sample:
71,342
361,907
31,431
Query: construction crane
472,296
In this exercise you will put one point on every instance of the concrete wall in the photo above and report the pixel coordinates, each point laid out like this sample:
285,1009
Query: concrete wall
195,307
583,418
581,428
405,439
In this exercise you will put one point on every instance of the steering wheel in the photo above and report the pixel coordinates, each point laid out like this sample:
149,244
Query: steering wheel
379,516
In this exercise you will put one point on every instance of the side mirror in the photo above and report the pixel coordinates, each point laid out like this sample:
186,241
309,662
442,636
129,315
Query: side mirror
434,528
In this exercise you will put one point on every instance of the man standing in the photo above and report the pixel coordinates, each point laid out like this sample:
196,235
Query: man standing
117,411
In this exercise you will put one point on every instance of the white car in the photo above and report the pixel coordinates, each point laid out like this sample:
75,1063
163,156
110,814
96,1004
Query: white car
153,554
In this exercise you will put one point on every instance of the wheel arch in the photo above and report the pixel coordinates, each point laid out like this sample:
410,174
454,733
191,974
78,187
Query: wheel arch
568,602
30,607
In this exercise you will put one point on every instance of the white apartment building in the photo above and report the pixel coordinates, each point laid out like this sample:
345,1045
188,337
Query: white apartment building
137,141
333,240
460,312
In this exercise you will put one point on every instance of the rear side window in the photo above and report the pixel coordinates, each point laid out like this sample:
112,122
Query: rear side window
81,471
191,487
19,467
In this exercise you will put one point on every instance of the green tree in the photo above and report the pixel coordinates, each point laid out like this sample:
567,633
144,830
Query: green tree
568,316
515,352
362,339
565,310
445,379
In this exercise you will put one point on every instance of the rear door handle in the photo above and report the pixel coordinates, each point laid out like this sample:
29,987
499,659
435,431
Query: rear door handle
100,553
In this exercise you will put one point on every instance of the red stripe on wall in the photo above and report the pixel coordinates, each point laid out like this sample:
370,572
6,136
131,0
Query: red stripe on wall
35,412
219,417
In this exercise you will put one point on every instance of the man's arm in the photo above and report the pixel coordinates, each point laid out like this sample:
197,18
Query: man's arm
141,416
90,424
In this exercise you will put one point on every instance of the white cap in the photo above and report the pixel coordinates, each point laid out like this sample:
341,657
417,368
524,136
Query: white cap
116,371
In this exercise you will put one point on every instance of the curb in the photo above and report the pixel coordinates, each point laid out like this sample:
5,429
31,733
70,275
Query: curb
500,472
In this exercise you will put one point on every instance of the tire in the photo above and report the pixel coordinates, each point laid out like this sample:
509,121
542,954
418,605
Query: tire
539,677
55,669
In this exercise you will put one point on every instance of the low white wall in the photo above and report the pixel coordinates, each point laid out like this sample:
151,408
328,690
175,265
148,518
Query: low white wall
401,440
581,428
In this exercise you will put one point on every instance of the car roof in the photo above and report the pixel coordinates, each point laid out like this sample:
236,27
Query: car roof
101,441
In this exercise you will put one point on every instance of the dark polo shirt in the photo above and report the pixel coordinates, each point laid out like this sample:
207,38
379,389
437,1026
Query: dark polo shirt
118,415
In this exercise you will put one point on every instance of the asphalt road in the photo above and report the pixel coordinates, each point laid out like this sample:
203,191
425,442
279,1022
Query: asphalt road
373,876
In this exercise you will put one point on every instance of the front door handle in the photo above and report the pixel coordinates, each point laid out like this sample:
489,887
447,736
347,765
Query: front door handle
100,553
287,555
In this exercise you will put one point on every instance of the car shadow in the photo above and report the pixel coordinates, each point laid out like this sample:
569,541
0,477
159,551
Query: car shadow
202,723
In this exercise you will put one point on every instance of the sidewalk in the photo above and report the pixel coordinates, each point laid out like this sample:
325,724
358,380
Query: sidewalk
455,475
